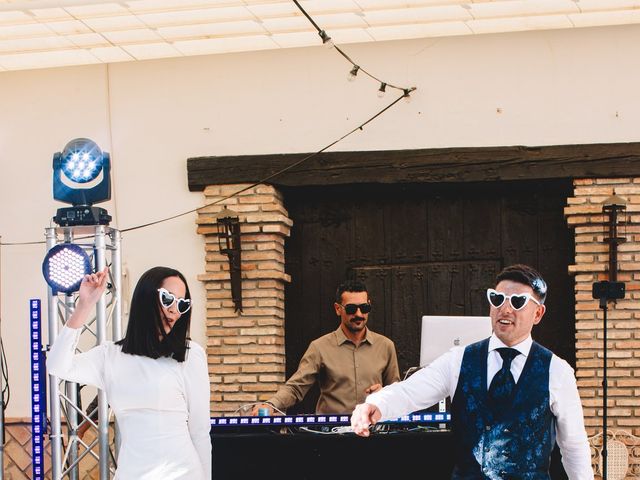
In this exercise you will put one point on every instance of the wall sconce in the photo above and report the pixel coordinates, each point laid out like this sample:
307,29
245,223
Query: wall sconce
612,207
228,226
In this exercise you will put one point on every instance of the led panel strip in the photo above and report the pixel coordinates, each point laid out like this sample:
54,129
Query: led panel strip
38,395
306,420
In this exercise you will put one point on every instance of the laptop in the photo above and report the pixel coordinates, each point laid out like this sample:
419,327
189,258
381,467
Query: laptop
440,333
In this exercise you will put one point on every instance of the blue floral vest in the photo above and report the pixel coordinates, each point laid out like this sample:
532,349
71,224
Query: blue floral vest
508,445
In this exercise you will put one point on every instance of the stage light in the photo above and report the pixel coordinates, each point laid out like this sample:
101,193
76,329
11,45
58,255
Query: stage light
64,267
81,177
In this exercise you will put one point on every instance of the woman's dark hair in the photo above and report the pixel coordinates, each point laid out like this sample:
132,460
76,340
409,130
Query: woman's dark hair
145,332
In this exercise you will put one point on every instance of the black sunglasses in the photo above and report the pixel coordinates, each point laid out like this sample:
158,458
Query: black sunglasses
352,308
167,299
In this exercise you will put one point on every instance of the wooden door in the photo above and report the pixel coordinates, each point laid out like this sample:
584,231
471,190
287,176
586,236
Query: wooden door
424,249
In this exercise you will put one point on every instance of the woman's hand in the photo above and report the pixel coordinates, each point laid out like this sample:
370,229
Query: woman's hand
91,290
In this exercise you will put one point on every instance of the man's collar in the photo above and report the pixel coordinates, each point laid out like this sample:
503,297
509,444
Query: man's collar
523,347
341,337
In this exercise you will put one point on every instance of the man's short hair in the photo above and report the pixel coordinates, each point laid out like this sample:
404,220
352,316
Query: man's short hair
527,276
350,286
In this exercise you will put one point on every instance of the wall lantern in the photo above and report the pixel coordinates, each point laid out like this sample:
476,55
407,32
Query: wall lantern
228,226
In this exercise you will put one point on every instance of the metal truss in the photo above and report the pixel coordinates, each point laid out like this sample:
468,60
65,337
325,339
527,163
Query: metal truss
102,244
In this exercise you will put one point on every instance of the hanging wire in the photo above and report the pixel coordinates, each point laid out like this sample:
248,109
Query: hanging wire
326,39
253,185
6,391
406,91
275,174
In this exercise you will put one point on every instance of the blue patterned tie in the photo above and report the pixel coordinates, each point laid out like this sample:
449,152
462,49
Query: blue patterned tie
503,384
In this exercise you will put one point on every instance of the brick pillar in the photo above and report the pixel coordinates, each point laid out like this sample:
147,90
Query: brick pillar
246,351
623,326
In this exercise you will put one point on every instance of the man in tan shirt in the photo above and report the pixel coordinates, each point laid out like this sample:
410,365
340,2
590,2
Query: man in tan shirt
348,363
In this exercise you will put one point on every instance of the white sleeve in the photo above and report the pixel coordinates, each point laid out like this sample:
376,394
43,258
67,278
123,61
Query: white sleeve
196,379
421,390
85,368
567,408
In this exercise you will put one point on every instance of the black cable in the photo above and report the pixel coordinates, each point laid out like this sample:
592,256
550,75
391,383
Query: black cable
4,371
273,175
307,15
406,91
326,38
5,375
263,180
39,242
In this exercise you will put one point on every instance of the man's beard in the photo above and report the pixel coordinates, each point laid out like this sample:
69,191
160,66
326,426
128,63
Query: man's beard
356,328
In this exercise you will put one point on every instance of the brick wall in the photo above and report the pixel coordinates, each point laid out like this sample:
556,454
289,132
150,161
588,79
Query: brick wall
17,452
623,325
245,351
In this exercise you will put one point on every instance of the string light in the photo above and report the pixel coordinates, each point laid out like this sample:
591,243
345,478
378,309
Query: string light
353,73
326,39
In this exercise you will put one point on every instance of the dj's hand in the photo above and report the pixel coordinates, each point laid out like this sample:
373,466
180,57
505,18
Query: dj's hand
373,388
363,416
255,411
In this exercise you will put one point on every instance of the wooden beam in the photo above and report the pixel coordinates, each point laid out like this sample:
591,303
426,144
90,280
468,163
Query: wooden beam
421,166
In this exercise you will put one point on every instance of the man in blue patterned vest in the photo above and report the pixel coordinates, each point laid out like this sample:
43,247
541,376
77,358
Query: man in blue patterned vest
512,399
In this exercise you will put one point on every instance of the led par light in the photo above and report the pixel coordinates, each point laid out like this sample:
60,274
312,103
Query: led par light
64,267
81,177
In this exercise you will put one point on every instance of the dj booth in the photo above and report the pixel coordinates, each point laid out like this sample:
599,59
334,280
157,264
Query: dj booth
308,448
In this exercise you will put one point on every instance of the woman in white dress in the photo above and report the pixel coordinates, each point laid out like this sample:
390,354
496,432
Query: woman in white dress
156,379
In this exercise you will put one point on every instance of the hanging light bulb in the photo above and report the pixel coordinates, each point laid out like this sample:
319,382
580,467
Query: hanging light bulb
326,39
382,89
353,73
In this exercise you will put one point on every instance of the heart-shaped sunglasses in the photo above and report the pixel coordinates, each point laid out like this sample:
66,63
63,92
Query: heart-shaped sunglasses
517,300
167,299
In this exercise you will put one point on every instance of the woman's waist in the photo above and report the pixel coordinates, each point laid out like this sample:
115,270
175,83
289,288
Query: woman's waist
152,423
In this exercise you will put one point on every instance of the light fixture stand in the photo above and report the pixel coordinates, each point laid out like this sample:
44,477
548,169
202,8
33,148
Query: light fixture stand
81,215
67,450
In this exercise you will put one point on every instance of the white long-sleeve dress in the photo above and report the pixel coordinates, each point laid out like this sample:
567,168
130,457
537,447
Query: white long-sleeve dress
162,406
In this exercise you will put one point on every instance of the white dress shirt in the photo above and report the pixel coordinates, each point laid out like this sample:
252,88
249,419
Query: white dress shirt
440,379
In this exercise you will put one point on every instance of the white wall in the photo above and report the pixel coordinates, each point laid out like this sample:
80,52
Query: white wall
535,88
